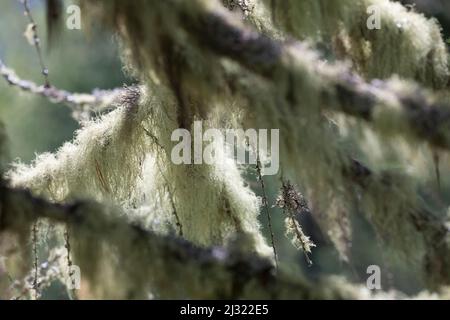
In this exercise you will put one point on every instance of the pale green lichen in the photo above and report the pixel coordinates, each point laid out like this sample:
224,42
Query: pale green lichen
124,157
103,162
311,152
407,43
106,161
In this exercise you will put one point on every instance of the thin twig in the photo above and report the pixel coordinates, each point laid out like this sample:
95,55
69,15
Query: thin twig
266,209
36,42
176,259
35,260
174,209
48,272
101,177
299,236
293,204
166,181
172,203
70,272
97,98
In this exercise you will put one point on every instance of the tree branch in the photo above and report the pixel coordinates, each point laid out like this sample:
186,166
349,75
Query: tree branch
400,107
192,272
98,99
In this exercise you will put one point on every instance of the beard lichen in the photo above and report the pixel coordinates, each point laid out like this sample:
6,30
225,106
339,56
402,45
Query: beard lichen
407,43
124,157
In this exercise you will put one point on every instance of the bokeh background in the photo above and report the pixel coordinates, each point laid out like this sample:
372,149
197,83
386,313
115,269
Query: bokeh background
78,61
82,60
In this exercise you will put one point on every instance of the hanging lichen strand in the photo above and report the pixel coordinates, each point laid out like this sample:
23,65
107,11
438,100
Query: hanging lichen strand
408,44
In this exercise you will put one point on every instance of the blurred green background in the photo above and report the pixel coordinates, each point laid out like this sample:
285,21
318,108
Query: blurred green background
78,61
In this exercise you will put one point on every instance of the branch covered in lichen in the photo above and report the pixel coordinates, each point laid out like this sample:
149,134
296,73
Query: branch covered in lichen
165,266
399,107
96,101
405,42
394,106
294,204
